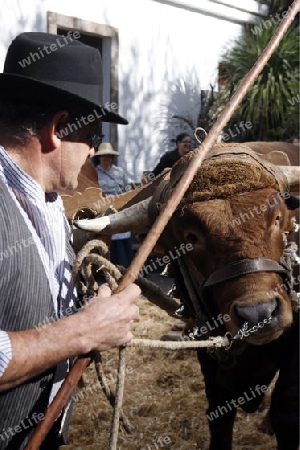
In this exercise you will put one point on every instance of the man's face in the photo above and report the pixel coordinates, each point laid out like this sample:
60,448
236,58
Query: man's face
184,146
74,156
69,159
106,160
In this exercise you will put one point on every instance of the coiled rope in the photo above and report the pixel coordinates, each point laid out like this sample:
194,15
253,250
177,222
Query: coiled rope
91,263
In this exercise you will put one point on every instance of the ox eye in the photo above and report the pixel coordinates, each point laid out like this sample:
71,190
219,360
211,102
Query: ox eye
191,238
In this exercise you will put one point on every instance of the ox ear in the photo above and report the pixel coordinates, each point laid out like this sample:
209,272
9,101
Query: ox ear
292,202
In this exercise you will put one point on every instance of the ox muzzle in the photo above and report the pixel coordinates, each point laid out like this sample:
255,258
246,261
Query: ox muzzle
262,318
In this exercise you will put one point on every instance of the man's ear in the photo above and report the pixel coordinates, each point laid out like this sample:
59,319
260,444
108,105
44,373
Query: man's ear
56,130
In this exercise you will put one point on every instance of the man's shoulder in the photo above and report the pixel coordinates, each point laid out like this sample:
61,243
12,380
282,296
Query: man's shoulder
171,155
173,152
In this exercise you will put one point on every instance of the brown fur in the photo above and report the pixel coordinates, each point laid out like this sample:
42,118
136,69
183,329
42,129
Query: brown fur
227,175
265,148
218,241
232,211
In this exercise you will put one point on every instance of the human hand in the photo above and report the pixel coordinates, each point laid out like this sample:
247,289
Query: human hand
101,324
107,319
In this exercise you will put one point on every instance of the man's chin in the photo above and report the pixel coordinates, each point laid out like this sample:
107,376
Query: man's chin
67,189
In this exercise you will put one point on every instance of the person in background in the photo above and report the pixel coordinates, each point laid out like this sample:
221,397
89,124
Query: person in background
50,119
112,181
184,144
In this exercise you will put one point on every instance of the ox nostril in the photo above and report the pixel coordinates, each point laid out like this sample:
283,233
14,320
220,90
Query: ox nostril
253,314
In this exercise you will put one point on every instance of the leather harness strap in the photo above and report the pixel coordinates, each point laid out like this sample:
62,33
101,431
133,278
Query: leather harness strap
243,267
193,279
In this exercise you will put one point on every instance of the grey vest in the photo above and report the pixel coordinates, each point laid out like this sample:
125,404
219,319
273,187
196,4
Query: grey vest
25,301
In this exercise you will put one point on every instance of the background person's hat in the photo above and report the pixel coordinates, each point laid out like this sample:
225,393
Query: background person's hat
106,149
47,69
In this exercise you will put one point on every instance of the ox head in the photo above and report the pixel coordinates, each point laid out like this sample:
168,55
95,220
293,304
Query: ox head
233,219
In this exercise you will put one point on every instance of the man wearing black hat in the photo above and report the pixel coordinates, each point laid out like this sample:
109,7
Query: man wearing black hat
50,112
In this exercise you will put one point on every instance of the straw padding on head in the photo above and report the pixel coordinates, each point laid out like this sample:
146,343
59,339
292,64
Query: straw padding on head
229,169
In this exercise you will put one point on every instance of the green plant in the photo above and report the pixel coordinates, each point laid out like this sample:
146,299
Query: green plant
271,104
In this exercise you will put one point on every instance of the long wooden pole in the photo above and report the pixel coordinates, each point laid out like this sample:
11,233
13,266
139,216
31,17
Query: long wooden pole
199,154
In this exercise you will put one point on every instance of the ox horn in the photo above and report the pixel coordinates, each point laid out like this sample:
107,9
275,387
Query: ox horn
132,218
292,174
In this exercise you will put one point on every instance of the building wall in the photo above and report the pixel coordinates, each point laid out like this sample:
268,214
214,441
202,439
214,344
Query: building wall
168,52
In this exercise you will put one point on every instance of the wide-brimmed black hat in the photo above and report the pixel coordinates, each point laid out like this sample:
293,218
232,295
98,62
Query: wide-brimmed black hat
47,69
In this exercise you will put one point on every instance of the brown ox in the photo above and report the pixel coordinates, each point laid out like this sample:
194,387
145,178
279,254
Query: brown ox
292,151
234,278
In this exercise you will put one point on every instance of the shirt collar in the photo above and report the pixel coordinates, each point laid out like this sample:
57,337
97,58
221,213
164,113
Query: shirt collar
17,179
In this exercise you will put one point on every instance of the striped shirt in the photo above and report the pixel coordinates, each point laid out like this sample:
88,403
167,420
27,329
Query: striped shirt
44,216
5,351
112,181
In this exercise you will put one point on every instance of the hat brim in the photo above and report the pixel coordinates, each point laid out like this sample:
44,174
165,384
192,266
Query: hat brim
24,89
107,153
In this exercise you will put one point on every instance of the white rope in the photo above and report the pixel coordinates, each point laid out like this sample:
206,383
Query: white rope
218,341
84,261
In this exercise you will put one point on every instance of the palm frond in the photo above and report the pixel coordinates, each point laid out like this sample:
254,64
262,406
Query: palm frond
267,104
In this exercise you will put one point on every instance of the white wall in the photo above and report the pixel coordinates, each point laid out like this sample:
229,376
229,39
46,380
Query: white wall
166,55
